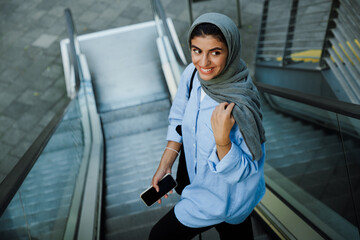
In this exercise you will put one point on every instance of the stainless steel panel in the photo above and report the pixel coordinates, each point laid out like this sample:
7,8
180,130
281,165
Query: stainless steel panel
125,66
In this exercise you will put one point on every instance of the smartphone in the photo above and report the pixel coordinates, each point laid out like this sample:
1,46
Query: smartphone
150,195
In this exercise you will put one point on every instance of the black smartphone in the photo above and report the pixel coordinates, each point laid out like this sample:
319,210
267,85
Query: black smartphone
150,195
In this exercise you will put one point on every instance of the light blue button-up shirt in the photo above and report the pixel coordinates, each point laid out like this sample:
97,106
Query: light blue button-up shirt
226,190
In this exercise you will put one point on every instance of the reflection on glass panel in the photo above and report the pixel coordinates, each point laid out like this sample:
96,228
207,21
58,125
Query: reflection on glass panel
306,165
47,191
13,223
350,132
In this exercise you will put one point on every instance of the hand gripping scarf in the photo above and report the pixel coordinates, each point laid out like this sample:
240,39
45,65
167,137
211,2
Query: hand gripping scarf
234,84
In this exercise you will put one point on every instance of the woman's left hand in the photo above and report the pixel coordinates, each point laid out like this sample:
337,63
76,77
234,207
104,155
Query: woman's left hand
221,122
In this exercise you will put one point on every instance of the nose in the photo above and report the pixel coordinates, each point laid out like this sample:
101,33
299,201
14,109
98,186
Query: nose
205,60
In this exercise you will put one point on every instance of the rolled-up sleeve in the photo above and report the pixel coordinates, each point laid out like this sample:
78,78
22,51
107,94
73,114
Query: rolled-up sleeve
172,134
235,166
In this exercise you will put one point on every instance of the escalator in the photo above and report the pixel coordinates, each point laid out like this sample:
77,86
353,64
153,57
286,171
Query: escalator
87,181
133,104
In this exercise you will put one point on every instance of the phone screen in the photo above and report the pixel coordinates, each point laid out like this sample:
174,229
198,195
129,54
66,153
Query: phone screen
150,196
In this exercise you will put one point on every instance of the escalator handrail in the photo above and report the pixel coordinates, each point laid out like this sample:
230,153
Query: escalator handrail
74,49
159,10
343,108
85,213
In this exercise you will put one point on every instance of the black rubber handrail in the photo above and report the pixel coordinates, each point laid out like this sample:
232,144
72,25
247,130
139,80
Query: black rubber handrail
343,108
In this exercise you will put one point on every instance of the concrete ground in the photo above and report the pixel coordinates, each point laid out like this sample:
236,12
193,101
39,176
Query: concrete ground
32,86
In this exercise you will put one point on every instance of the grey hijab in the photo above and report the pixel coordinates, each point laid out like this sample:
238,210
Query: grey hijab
234,84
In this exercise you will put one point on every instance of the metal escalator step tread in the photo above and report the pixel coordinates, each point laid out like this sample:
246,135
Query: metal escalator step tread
59,182
276,117
115,188
126,184
69,125
133,172
300,169
135,206
288,127
290,139
280,148
129,168
304,155
147,163
119,197
331,189
158,135
135,125
48,190
120,158
40,220
34,207
59,156
320,172
121,172
134,111
136,226
62,140
124,152
39,203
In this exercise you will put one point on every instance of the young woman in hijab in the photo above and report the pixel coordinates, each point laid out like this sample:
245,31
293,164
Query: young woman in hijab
222,136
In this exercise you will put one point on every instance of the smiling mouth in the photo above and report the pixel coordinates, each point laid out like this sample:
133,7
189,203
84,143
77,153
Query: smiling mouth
206,70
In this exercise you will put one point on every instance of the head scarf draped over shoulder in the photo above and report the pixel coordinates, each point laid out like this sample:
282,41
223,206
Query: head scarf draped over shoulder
234,84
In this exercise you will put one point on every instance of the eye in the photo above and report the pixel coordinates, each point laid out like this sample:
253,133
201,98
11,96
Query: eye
216,53
196,51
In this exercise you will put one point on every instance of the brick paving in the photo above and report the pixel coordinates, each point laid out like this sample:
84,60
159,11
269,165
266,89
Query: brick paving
32,86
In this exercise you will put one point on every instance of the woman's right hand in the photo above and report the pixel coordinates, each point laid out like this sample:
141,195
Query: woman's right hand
167,160
159,174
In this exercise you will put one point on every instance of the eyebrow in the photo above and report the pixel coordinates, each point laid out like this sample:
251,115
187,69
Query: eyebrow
213,49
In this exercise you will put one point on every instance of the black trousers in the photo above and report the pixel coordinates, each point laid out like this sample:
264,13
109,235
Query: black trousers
169,227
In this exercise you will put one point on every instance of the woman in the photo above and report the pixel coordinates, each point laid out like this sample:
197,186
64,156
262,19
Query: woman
222,134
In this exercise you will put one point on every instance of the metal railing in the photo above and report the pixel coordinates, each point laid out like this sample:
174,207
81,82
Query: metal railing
160,18
342,51
85,213
238,8
343,108
285,36
323,32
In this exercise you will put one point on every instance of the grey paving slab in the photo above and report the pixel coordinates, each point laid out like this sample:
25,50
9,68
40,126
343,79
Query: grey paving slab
13,136
45,40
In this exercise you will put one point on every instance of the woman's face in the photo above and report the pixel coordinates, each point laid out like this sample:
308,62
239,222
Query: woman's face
209,55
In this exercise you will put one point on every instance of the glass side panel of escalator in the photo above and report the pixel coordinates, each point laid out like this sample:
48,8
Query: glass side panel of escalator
306,164
40,208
